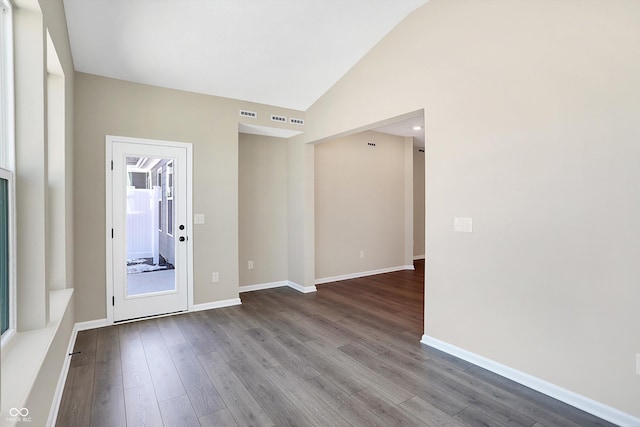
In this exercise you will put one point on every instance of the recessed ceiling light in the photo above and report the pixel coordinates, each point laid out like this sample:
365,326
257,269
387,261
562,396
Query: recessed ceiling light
417,127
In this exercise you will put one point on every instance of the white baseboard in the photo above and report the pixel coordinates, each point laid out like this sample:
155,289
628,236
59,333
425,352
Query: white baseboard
300,288
216,304
261,286
363,274
576,400
91,324
417,257
271,285
62,379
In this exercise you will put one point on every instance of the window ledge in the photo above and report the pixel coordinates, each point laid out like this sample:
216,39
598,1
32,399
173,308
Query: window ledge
24,354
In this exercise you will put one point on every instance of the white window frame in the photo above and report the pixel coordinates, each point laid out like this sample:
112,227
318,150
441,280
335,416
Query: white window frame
7,126
7,151
11,330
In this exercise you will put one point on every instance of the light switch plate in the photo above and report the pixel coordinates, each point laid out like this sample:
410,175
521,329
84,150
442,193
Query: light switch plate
463,225
198,219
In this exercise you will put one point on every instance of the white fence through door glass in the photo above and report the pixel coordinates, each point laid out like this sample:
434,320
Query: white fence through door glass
142,224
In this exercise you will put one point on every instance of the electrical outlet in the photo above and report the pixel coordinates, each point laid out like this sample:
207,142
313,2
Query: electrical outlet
215,277
250,265
362,254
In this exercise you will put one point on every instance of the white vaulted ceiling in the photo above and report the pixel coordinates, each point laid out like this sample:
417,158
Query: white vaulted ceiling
285,53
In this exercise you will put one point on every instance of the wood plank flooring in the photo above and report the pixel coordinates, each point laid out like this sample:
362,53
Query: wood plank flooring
346,355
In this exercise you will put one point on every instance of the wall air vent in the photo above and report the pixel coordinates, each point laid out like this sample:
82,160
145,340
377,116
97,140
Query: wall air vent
281,119
297,121
251,114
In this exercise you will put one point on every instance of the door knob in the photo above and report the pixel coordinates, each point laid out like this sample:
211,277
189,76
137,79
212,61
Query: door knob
182,238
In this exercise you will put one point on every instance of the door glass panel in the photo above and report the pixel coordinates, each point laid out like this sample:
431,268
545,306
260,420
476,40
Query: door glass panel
150,245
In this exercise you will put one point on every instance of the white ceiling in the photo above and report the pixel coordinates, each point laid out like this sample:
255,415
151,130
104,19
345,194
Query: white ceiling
412,126
406,127
284,53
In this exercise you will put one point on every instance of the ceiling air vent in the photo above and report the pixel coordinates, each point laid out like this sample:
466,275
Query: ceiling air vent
297,121
251,114
281,119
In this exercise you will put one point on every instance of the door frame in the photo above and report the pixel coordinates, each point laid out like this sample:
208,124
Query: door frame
109,140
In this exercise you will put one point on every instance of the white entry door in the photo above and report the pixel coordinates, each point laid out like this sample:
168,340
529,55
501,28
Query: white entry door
151,226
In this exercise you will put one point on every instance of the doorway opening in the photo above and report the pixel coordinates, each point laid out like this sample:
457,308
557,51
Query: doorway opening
370,202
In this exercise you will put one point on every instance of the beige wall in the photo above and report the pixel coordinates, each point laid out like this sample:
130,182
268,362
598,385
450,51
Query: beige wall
262,209
359,204
418,202
533,121
408,201
300,202
111,107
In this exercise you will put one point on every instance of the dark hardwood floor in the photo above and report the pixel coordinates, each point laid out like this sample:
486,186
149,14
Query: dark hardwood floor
346,355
